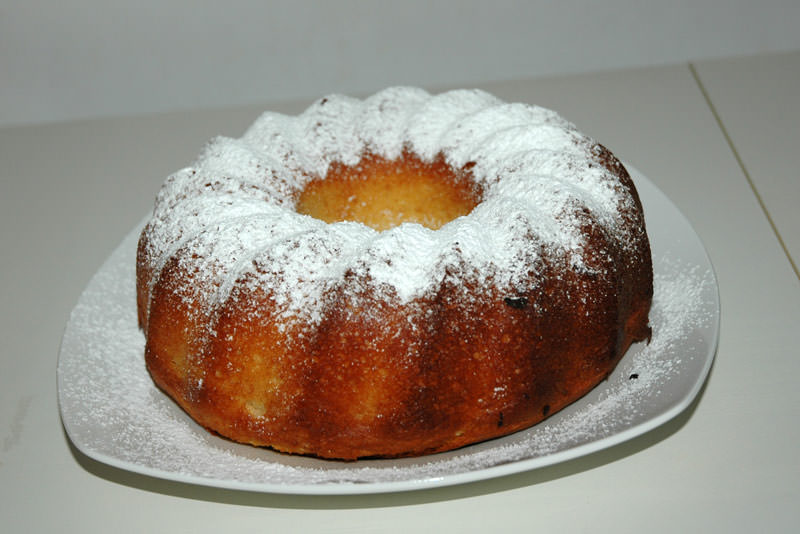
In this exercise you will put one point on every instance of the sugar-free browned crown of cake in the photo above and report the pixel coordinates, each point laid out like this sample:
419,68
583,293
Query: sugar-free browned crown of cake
395,276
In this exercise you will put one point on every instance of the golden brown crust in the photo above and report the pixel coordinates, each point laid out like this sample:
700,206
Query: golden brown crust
378,378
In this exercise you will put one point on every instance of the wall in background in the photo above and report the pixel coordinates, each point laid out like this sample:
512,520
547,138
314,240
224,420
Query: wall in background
92,58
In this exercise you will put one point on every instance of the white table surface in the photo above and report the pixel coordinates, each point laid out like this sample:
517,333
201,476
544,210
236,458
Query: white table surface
702,133
758,103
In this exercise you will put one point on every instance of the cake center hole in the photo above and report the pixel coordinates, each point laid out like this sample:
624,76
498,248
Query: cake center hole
384,194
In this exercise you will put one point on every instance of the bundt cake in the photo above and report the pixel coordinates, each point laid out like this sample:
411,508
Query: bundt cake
391,277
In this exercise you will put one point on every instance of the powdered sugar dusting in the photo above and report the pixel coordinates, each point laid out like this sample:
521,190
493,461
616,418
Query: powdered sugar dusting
538,174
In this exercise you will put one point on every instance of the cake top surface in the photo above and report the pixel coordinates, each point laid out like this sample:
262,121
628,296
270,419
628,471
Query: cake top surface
230,216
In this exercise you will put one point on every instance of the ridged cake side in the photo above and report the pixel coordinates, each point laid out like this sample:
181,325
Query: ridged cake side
274,328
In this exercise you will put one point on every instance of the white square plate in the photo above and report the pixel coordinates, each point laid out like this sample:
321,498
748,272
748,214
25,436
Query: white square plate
113,412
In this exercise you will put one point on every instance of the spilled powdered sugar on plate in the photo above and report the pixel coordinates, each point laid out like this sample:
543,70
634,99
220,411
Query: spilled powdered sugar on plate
113,412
